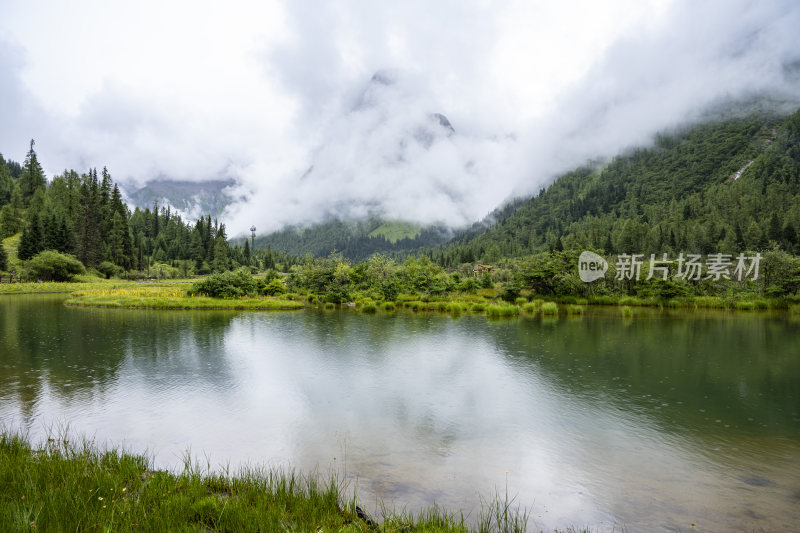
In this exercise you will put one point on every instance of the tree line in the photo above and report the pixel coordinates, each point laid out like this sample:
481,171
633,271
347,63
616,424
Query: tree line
84,215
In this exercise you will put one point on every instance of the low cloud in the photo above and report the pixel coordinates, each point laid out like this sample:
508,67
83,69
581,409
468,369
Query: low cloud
284,98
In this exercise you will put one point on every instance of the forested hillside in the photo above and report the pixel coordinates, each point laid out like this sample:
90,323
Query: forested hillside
354,240
83,215
720,187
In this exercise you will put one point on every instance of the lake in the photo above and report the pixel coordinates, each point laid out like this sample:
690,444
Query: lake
654,423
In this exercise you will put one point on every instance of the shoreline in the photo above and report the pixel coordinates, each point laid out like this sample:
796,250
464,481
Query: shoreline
172,295
68,483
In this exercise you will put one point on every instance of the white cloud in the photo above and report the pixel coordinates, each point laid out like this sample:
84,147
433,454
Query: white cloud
262,91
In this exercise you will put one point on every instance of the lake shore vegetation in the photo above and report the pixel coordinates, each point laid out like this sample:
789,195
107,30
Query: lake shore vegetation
67,483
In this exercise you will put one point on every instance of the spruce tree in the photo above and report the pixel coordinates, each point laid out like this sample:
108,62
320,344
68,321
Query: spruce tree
31,242
32,177
3,258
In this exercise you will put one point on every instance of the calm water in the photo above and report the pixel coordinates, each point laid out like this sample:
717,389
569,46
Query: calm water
654,423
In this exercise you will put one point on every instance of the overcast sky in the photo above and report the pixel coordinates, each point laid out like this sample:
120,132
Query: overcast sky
283,96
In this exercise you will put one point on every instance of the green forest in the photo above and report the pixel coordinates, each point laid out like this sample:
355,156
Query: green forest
83,217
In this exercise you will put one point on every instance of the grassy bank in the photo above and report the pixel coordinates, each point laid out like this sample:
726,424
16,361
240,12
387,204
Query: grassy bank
66,485
172,294
168,296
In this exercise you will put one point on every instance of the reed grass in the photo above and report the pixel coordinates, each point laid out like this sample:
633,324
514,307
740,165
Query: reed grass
549,308
502,309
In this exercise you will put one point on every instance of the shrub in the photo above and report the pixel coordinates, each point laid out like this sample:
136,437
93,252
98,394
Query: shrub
226,285
109,269
274,287
54,266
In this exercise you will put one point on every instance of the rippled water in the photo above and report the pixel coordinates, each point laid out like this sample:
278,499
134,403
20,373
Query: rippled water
652,423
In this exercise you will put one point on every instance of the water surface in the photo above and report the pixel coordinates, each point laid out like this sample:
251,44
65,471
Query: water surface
652,423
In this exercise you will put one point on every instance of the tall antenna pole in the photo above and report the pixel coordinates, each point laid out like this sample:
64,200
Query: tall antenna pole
252,239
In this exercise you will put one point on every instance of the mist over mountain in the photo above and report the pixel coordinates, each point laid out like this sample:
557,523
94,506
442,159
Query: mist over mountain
190,199
318,111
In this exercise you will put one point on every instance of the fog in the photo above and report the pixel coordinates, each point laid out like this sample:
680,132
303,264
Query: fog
318,110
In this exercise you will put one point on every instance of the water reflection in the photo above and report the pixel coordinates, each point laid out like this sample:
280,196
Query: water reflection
655,423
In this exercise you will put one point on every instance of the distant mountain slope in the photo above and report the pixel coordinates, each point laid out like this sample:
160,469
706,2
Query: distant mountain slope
191,198
355,240
723,186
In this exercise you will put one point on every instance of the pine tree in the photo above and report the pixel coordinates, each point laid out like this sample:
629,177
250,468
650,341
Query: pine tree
32,177
31,242
246,252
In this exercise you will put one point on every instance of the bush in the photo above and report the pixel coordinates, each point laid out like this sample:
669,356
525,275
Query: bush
54,266
274,287
226,285
164,271
109,269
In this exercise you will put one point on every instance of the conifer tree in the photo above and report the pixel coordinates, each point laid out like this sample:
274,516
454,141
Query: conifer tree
32,177
31,242
3,258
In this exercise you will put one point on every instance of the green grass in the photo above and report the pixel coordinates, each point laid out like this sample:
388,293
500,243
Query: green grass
329,305
502,309
627,312
745,305
549,308
396,230
182,302
575,309
455,308
388,306
70,485
369,307
795,309
714,302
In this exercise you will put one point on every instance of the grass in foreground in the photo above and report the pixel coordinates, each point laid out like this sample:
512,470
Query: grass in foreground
65,485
